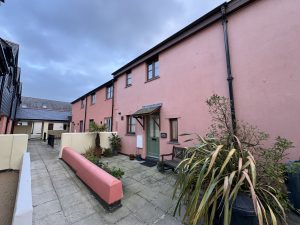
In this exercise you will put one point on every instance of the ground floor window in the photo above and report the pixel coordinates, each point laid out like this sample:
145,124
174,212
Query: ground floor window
174,130
131,121
50,126
91,122
81,126
107,122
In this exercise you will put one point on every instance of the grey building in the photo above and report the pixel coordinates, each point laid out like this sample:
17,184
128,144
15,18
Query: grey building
38,117
10,85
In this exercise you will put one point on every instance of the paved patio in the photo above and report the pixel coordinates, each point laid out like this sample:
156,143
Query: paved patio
59,197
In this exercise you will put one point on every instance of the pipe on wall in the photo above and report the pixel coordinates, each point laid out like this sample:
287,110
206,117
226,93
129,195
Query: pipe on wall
85,110
228,66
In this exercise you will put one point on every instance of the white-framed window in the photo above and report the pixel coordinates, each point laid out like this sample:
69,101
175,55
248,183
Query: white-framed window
128,79
82,103
109,92
107,122
93,99
131,121
153,69
174,130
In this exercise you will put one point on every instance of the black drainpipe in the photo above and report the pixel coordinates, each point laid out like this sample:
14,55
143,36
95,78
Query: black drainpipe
85,113
229,74
10,109
2,89
112,105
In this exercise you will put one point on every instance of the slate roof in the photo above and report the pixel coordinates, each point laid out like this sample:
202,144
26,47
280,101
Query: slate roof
38,103
42,114
43,109
147,110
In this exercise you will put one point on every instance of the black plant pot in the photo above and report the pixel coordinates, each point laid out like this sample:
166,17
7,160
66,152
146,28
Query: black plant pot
293,185
138,157
242,212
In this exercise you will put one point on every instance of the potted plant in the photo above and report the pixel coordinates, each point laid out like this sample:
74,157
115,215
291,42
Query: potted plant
94,127
160,166
115,143
229,166
131,156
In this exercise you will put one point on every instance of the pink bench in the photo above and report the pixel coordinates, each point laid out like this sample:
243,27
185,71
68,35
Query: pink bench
107,187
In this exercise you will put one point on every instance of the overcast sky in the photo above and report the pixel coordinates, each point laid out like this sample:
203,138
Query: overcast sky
68,47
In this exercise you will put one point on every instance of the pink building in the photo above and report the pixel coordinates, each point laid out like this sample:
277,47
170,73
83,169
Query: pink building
162,93
95,106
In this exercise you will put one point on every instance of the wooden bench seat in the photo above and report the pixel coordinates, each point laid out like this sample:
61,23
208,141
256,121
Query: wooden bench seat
107,187
178,154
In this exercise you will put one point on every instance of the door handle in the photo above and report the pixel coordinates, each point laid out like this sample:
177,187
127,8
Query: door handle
153,139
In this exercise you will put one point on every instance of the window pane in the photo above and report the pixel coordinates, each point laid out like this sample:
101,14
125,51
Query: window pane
128,81
174,129
149,75
156,69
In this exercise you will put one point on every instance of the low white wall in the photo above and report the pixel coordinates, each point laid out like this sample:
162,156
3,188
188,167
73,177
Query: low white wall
23,206
12,148
81,142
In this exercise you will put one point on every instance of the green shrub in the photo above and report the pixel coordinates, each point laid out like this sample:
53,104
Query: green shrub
229,161
116,172
90,155
107,152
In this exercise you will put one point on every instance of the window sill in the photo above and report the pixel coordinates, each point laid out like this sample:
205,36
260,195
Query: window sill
173,143
155,78
129,85
130,134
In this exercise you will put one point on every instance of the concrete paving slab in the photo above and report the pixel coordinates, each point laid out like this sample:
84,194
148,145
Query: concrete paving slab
53,219
44,197
94,219
116,216
46,209
130,220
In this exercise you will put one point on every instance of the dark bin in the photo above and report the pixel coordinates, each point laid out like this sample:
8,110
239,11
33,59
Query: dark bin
243,212
293,185
51,139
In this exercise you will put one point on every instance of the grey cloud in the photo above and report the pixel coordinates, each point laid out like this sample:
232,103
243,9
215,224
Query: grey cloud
68,47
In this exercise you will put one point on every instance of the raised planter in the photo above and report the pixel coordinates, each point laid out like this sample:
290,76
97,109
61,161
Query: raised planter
108,188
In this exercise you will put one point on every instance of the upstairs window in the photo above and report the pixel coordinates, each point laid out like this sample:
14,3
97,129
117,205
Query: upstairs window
82,103
128,79
152,69
131,125
93,99
109,92
174,130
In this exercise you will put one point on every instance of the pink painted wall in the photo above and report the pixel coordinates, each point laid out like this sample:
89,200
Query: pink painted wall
98,111
265,53
185,83
3,121
77,115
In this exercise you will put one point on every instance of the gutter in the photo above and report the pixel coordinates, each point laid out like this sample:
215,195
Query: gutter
228,65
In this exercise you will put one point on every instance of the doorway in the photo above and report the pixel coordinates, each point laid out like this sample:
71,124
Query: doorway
153,132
